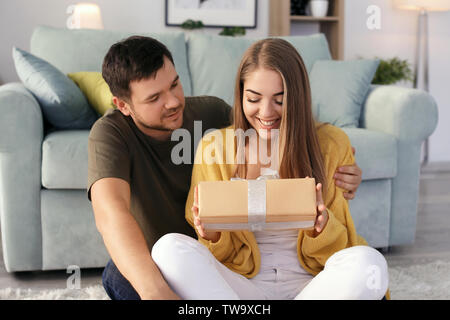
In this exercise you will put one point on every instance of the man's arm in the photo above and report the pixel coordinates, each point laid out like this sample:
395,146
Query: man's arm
124,240
349,178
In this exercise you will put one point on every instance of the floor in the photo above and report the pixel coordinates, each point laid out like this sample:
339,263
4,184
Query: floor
432,238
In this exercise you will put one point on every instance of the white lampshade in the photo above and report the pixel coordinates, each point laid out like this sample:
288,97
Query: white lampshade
84,16
429,5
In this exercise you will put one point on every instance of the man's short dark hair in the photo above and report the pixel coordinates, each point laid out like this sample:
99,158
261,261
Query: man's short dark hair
132,59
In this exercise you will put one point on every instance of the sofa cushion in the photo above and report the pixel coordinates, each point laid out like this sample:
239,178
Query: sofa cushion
65,159
376,153
61,101
84,49
214,60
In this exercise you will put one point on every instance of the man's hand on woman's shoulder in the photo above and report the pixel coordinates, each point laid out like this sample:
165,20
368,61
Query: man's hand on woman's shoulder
349,178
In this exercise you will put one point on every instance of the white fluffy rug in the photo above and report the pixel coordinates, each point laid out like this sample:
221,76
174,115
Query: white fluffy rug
88,293
416,282
429,281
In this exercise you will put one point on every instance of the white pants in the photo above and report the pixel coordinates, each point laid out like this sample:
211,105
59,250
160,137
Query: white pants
193,273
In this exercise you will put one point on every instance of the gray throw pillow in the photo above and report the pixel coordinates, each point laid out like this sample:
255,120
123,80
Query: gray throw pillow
63,104
339,88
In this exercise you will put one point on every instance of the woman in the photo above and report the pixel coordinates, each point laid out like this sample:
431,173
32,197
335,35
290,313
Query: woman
272,97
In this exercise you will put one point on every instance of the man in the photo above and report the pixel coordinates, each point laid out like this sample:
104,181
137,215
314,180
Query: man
138,194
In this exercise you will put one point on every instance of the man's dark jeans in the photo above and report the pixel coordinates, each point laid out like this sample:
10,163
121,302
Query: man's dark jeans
115,284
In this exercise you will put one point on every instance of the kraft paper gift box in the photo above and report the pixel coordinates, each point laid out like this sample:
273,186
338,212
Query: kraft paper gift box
257,204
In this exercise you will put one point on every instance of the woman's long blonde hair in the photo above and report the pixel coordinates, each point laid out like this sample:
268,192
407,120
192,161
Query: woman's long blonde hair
299,148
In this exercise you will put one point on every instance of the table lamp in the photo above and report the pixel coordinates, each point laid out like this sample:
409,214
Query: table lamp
84,16
421,75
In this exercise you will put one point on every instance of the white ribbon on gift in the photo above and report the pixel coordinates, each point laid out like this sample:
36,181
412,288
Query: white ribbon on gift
256,204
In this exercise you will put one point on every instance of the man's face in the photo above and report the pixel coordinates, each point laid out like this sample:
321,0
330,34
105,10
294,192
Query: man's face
156,103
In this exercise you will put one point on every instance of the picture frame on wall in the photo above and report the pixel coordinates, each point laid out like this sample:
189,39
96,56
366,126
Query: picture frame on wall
212,13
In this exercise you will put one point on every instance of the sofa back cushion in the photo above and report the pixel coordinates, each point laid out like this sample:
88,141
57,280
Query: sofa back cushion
83,50
214,60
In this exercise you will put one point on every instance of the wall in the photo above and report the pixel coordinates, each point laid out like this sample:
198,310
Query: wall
439,29
397,37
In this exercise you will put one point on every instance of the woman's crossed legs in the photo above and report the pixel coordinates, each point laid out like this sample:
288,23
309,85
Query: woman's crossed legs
191,270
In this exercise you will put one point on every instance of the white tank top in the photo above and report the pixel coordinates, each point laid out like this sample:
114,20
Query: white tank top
278,248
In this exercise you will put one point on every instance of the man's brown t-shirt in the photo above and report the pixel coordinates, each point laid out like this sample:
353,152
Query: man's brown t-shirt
159,187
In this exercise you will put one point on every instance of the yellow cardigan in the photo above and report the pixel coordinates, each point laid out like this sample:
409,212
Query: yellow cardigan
238,250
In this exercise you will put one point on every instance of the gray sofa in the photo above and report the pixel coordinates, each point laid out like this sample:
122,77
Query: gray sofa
46,219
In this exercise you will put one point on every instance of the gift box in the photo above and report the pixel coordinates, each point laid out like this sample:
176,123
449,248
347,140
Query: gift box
257,204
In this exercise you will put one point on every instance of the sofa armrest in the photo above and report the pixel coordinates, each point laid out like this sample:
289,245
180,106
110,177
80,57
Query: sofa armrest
408,114
21,135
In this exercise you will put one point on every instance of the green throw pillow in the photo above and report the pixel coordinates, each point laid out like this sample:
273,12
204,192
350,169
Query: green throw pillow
339,88
96,90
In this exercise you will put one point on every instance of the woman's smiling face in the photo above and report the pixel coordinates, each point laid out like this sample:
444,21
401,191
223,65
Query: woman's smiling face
263,100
